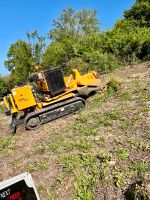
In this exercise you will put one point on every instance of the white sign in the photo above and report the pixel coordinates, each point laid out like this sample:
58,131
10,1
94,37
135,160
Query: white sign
20,187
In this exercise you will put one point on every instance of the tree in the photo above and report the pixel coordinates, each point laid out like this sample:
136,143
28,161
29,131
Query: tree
54,55
65,26
20,61
72,24
59,53
139,14
37,45
88,23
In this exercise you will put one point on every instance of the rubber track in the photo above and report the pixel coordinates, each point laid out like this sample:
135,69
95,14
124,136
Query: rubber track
52,107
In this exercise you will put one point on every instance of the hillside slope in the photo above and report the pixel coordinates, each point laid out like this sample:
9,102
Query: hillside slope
99,153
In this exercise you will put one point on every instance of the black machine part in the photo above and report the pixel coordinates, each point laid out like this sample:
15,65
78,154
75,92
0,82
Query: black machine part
33,77
7,112
14,122
34,119
55,81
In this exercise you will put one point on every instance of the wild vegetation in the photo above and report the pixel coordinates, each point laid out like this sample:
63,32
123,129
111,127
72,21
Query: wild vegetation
101,152
76,40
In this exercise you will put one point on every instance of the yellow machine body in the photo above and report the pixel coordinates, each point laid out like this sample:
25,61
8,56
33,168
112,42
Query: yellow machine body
26,99
23,97
76,80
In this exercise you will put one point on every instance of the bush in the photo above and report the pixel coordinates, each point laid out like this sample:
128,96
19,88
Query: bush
102,62
128,45
113,86
3,87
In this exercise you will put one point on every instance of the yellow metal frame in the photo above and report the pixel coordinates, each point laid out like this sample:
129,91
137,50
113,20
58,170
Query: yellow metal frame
23,98
6,103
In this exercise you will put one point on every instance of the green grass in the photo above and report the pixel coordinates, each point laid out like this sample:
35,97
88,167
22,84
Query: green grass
105,121
37,166
73,161
118,178
140,167
41,149
105,157
69,162
127,123
114,114
98,149
125,96
82,145
122,154
83,186
142,145
53,144
84,129
113,87
7,144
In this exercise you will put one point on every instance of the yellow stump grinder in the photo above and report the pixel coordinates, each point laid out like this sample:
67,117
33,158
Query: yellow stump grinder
52,97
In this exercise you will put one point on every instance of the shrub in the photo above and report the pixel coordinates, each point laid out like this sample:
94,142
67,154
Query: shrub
3,87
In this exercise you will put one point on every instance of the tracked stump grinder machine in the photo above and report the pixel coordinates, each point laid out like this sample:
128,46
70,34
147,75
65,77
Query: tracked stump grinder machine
52,97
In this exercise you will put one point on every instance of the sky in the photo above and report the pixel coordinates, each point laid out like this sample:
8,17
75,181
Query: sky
17,17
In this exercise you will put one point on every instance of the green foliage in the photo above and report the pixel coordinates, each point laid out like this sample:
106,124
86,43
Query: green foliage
69,162
122,154
103,51
139,14
71,24
59,54
7,143
35,166
141,168
113,86
83,186
79,144
3,87
20,61
128,44
101,62
78,63
40,149
54,54
90,50
118,179
76,42
37,45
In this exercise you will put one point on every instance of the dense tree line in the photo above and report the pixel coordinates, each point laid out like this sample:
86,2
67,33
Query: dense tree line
76,40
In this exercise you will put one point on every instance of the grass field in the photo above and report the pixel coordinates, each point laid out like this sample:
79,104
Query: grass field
102,152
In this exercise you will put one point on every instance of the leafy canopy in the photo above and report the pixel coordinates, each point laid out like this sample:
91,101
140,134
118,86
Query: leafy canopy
20,60
37,45
76,40
139,14
73,24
